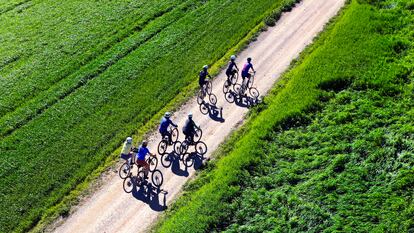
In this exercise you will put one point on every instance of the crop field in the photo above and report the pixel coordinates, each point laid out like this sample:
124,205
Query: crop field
77,77
331,149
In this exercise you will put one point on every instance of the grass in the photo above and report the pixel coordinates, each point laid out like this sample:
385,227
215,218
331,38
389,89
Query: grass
331,149
58,136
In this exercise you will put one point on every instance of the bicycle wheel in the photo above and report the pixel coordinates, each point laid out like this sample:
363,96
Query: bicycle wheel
200,97
254,93
166,160
177,147
157,178
213,99
128,184
204,109
140,178
125,170
237,88
188,160
201,148
153,162
229,96
199,133
184,147
174,134
226,86
209,87
234,78
162,147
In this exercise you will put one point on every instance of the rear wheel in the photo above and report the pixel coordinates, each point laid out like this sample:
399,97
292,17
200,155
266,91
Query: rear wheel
199,133
153,163
157,178
125,170
162,147
226,86
128,184
204,109
201,148
184,147
174,134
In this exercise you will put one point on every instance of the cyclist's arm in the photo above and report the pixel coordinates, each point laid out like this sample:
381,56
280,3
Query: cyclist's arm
253,69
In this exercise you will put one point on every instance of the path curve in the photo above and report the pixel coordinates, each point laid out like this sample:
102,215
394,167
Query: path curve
110,209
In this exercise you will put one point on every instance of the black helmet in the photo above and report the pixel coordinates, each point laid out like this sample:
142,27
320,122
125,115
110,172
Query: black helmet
249,59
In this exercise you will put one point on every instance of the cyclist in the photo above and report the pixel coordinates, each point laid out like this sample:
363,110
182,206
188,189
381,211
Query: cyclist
246,69
231,68
140,157
203,75
126,151
189,129
165,123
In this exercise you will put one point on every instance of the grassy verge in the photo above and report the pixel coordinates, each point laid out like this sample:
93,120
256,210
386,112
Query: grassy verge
87,117
331,150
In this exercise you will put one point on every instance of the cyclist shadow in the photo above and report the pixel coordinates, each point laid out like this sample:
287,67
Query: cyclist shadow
214,112
176,167
156,198
244,101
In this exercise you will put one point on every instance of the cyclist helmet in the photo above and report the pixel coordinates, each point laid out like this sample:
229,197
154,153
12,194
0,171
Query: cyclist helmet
167,114
190,115
129,139
144,143
233,57
205,67
249,59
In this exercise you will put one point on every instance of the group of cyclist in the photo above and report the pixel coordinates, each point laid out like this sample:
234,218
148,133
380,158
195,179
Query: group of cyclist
189,128
230,71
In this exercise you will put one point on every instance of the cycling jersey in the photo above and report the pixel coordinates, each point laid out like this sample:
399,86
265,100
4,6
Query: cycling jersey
165,123
142,152
246,68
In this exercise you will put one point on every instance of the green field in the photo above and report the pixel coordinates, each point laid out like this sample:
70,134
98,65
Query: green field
77,77
331,149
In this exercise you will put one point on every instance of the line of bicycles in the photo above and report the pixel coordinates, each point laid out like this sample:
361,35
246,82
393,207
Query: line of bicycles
234,91
181,150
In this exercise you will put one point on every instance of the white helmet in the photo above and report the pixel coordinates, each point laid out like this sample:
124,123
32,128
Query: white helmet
190,114
205,67
129,139
233,57
167,114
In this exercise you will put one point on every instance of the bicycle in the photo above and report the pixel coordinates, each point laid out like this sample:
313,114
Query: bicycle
156,177
230,81
206,90
200,147
163,145
240,90
125,169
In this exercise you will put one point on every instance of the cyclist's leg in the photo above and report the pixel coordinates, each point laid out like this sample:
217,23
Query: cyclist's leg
169,137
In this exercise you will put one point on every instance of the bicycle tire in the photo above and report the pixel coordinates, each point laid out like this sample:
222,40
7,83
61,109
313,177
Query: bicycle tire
124,170
229,96
226,87
157,178
177,147
188,160
174,134
128,184
184,147
209,87
199,133
204,109
254,93
166,160
201,148
213,99
200,97
162,147
153,163
234,78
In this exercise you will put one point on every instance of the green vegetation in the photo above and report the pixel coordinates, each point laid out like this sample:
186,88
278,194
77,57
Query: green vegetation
69,96
332,148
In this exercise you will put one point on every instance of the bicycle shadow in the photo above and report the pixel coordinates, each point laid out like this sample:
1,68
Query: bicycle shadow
150,195
172,160
214,112
243,101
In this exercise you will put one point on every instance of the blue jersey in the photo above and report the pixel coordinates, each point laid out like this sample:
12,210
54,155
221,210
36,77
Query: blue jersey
142,152
165,123
246,69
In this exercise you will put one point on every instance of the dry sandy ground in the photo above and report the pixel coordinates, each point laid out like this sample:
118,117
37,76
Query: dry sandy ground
110,209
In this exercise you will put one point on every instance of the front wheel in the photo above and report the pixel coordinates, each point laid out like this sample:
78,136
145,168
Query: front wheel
200,97
209,87
153,163
201,148
174,134
234,78
199,133
157,178
226,86
184,147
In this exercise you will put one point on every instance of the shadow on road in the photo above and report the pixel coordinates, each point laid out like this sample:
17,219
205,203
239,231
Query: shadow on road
155,198
214,112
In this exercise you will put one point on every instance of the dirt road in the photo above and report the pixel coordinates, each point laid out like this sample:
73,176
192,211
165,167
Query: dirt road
110,209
